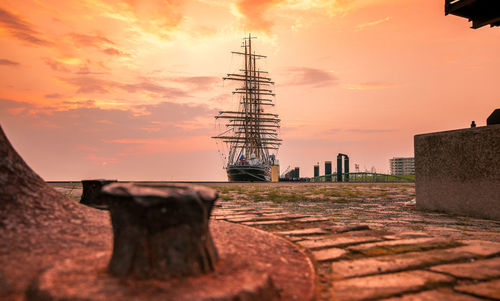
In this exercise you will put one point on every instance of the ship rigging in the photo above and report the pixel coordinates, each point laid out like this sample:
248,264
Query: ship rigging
252,134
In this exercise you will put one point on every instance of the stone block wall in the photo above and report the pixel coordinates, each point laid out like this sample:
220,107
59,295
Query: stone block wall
459,171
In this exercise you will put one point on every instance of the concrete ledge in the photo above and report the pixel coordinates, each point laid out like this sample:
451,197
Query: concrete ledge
459,171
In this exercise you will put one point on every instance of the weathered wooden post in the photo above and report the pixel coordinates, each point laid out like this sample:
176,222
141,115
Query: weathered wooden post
160,232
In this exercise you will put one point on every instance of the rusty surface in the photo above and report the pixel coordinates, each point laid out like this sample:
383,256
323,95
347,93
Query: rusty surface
39,226
160,232
254,265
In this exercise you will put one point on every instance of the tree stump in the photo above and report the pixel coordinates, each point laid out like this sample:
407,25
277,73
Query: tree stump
90,192
160,232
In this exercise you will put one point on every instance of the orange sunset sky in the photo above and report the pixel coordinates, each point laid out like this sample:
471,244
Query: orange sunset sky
128,89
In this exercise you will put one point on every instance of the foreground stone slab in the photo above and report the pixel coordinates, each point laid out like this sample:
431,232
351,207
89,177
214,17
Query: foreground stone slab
340,241
382,286
401,246
458,171
311,219
483,248
245,218
490,289
303,232
479,269
329,254
265,223
433,295
412,260
283,215
253,265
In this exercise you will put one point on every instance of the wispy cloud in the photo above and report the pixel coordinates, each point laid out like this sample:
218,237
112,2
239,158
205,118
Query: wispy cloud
6,62
154,88
55,65
114,51
310,76
369,131
102,160
372,23
195,82
89,84
166,86
254,13
120,125
372,86
157,17
99,42
53,95
21,29
84,40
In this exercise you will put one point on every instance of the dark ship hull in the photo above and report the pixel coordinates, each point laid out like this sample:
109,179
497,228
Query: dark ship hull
247,173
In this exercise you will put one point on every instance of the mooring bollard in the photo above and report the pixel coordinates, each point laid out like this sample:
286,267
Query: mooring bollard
90,191
160,231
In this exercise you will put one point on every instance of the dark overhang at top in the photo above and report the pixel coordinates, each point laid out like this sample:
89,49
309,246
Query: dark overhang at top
480,12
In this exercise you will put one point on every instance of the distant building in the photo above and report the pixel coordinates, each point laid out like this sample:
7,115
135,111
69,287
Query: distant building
402,166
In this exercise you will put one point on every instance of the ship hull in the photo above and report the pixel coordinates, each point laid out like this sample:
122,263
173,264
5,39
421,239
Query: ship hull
246,173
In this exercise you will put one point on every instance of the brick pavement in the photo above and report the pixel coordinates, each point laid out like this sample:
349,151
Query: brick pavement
370,243
383,248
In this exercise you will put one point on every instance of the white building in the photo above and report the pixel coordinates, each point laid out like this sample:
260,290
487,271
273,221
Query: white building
402,166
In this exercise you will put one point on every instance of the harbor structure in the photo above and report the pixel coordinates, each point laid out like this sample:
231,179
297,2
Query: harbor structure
316,170
341,173
328,171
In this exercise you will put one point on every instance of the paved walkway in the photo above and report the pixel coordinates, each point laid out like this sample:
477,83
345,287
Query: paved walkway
381,247
369,242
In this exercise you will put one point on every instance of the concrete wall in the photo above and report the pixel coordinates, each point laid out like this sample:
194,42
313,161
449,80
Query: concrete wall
459,171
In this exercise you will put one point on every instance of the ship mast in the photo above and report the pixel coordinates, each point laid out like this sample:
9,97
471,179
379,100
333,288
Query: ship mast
251,131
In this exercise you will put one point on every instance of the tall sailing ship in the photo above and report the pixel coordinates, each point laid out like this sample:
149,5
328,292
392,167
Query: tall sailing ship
252,131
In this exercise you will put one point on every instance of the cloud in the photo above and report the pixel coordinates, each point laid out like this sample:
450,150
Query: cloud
220,99
311,77
196,82
114,51
253,13
88,84
81,122
102,160
75,143
154,88
157,17
374,85
20,29
53,95
55,65
6,62
159,145
370,24
256,13
85,70
84,40
99,42
6,104
369,131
